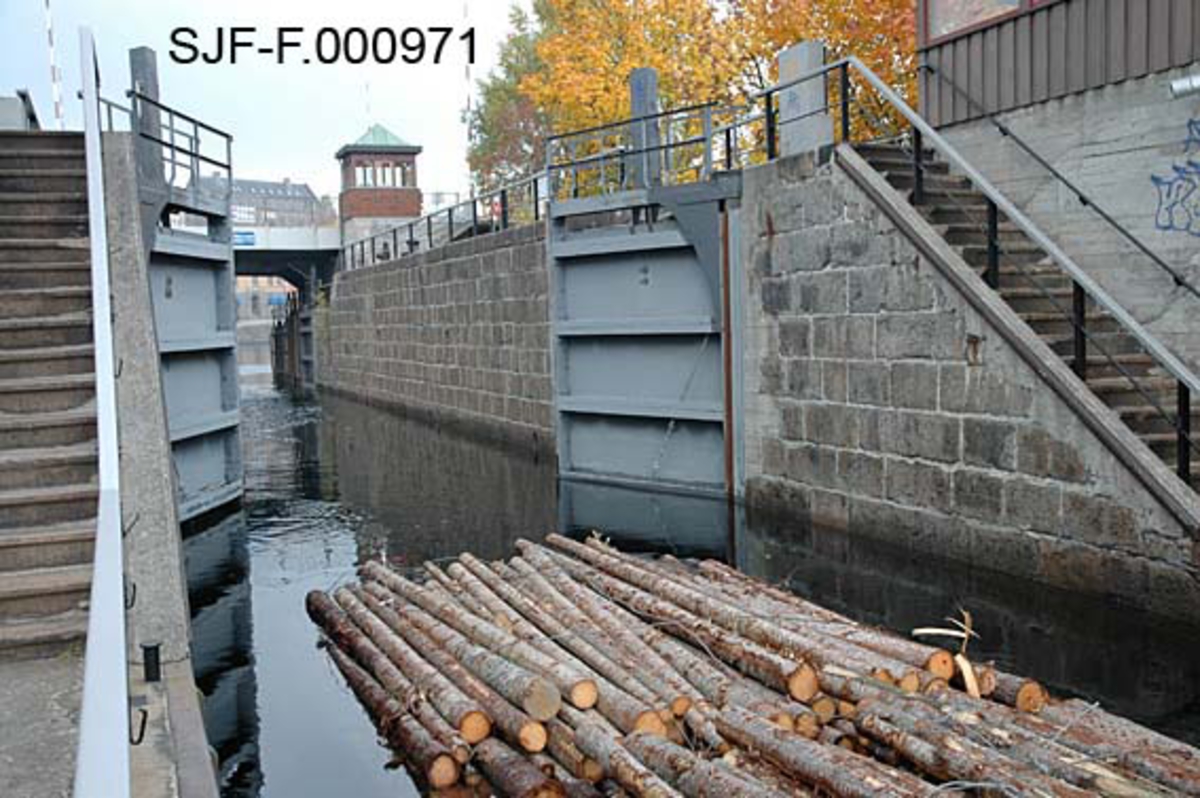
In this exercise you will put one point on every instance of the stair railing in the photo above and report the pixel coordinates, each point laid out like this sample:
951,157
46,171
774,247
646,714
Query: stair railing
1086,289
1084,199
102,759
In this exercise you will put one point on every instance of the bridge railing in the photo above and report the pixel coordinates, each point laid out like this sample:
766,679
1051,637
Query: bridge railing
518,203
102,760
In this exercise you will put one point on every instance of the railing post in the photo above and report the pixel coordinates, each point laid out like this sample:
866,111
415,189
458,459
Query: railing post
728,148
1183,444
474,215
769,116
708,159
918,195
395,242
412,241
429,230
992,274
503,209
1079,317
450,224
845,101
537,211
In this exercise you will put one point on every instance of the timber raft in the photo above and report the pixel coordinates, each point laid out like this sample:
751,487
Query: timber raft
577,670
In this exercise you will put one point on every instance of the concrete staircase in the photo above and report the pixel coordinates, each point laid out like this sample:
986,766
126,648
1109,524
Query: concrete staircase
1041,293
48,459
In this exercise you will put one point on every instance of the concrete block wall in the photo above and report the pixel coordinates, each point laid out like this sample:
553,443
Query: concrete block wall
459,334
1122,145
880,402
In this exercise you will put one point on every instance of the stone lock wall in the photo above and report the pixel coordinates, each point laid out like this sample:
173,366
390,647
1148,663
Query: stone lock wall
459,334
878,401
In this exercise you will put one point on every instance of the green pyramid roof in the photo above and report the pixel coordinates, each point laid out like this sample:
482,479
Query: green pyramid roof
379,139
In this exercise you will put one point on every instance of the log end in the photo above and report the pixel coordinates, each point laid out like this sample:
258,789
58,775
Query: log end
802,683
680,704
909,682
941,664
541,701
584,694
935,686
442,772
1031,696
532,737
806,724
592,771
651,723
474,726
824,707
782,720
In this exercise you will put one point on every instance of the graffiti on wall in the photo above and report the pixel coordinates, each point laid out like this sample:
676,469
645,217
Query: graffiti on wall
1179,193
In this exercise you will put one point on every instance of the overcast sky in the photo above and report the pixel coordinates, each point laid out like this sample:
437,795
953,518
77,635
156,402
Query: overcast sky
287,121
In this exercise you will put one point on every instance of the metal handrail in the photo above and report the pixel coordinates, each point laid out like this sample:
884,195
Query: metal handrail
1083,198
631,119
445,218
930,136
102,759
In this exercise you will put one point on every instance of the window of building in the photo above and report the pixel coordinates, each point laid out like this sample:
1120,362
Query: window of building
385,174
243,214
945,17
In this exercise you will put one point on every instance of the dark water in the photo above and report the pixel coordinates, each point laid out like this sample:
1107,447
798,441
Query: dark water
330,485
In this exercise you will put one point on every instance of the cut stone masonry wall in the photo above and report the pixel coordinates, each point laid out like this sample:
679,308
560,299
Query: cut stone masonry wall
879,401
459,334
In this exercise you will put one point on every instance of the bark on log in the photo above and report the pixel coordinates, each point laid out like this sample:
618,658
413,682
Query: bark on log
619,764
512,774
795,678
619,644
576,788
824,766
557,630
1023,694
518,727
357,639
691,775
429,758
575,686
561,745
741,622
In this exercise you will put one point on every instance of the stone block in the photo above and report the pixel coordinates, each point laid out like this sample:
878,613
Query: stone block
844,337
1100,521
830,510
1042,455
915,385
776,296
860,473
794,338
804,250
793,421
855,245
925,435
834,380
869,383
978,494
824,292
866,289
919,484
812,465
975,389
1003,549
831,424
990,443
920,336
1173,592
804,379
1034,505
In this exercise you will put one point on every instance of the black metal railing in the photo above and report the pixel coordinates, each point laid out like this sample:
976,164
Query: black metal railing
518,203
186,144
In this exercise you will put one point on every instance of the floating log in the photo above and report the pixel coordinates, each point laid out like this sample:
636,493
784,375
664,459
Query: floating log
619,764
562,747
515,724
512,774
693,776
576,788
1023,694
404,734
576,687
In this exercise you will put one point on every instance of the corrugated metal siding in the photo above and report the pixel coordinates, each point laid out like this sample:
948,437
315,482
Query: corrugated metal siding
1061,48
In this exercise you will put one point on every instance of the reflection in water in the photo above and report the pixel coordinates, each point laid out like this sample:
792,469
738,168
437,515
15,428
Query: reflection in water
331,485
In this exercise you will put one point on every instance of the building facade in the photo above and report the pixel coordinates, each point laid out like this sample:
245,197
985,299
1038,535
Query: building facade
379,188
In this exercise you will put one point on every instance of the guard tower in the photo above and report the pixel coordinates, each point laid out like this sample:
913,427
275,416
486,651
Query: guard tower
379,184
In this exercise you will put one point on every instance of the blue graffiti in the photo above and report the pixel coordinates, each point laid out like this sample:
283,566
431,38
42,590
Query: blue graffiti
1179,193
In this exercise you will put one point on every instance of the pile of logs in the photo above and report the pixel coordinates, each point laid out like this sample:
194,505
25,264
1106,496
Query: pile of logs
574,669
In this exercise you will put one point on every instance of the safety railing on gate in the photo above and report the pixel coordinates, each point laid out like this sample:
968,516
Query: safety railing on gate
520,202
102,760
196,157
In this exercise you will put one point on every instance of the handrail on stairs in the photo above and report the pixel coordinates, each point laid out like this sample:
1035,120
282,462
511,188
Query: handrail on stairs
1084,199
102,759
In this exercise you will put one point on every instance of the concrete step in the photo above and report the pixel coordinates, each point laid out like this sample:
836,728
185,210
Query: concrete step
49,180
36,430
44,467
897,165
1146,420
1112,343
1034,299
961,234
70,329
1136,363
42,637
37,506
46,361
1014,253
891,150
53,226
41,592
48,274
26,204
43,250
1056,326
940,214
47,546
42,394
42,158
1119,391
950,198
40,140
904,181
32,302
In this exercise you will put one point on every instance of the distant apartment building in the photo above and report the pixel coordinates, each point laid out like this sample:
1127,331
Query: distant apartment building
269,203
